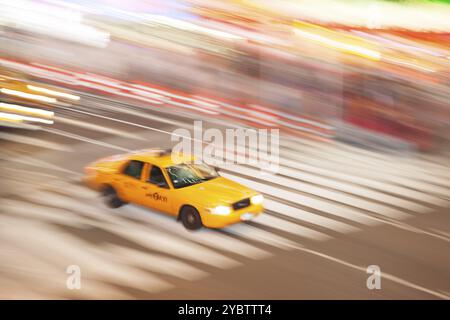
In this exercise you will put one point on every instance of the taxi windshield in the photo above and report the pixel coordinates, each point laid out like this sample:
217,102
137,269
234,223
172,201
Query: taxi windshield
183,175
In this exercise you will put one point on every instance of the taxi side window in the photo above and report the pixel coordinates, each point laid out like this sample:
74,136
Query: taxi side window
134,169
157,177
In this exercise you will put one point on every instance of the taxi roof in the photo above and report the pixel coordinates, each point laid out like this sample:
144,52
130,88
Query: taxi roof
160,158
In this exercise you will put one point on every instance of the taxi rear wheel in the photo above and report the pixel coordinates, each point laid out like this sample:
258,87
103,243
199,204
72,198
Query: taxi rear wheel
191,218
111,198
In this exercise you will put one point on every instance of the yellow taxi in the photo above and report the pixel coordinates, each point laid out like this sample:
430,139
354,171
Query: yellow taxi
192,191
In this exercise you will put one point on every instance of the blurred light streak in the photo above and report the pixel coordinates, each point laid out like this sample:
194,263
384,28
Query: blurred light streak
342,46
25,95
26,110
9,118
51,21
20,118
184,25
408,64
53,93
395,14
398,44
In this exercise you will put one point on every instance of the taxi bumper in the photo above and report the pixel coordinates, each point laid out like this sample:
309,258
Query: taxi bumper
219,221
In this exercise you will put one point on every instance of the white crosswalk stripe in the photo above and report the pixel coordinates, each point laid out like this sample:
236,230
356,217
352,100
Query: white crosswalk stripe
156,263
255,234
204,236
305,170
29,210
55,246
322,205
352,189
339,197
354,169
73,190
308,217
396,168
148,237
321,190
290,227
34,141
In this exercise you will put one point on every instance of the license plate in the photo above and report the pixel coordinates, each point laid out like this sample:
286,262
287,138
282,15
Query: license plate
247,216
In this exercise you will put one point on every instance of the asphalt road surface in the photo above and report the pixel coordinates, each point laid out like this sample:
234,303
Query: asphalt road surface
333,210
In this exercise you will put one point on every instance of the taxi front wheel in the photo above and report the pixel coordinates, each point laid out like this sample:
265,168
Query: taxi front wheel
111,198
191,218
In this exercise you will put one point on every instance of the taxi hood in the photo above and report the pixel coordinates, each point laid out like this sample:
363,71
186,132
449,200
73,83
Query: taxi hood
220,191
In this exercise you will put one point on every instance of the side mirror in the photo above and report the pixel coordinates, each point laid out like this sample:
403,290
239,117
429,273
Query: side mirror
217,169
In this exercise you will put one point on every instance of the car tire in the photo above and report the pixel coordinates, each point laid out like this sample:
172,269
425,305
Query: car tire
190,218
111,199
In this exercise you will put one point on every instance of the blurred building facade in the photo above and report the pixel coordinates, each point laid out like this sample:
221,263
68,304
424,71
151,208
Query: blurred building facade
364,80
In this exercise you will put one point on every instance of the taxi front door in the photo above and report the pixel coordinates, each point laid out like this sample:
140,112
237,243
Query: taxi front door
154,189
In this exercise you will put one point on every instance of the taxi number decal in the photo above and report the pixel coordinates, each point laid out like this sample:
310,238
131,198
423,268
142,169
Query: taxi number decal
157,197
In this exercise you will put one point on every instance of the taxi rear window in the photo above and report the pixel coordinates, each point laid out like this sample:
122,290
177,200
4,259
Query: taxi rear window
134,169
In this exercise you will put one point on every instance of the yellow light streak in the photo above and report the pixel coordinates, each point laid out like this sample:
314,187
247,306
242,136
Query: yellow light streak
26,110
342,46
20,118
53,92
25,95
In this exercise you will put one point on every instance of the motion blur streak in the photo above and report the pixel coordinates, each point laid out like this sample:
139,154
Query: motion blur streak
16,117
53,93
46,19
356,92
27,95
26,110
334,43
191,27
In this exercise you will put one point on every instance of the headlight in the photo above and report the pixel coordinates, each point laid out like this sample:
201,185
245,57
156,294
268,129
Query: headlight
258,199
221,210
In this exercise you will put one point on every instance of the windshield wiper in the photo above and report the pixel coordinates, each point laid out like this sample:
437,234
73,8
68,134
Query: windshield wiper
192,183
209,178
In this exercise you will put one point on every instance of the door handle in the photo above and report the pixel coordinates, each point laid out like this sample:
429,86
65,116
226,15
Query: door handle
145,188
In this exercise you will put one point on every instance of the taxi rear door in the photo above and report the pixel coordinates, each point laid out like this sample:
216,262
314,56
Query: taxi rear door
128,182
